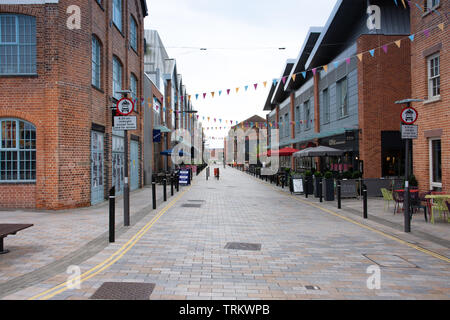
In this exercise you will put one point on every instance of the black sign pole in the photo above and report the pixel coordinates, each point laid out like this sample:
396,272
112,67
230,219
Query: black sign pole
126,192
407,213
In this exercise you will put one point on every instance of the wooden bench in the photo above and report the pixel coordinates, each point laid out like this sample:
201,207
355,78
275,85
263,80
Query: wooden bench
10,229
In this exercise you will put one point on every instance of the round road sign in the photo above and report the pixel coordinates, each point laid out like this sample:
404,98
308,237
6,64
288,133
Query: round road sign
409,115
125,107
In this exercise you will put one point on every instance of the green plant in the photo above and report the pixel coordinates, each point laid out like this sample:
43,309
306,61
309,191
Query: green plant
307,173
347,175
318,174
413,181
356,175
328,175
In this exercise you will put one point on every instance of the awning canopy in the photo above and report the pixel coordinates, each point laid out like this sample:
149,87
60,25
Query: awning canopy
163,129
321,151
170,151
285,152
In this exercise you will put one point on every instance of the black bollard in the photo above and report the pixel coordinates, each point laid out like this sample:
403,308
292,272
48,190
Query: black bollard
320,190
112,215
171,185
177,181
364,191
154,195
165,189
339,194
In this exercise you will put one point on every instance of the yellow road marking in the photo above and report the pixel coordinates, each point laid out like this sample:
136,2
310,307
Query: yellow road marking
111,260
418,248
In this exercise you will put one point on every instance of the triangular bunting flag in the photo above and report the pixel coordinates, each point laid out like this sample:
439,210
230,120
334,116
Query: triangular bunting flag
204,95
220,92
237,90
336,64
228,91
304,74
275,82
314,71
196,96
284,80
372,52
246,88
403,2
385,48
294,76
411,37
212,94
325,68
360,56
256,86
398,43
441,26
427,32
265,84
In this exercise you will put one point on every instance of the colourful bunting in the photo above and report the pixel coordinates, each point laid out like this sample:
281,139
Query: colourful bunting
294,76
385,48
398,43
314,71
427,32
347,60
304,74
256,86
372,52
411,37
441,26
360,56
325,68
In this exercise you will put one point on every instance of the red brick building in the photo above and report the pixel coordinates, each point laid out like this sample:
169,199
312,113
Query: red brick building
430,65
58,83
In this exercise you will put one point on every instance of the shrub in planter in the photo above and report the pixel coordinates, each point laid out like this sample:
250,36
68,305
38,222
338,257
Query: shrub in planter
356,175
328,187
347,175
317,179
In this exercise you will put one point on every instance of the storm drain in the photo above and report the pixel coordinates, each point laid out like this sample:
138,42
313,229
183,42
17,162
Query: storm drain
390,261
314,288
243,246
124,291
191,205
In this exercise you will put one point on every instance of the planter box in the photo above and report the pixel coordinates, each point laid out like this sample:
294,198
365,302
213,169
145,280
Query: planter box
317,187
328,189
308,185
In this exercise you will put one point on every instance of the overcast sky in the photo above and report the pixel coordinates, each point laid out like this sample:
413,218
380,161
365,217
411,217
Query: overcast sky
242,37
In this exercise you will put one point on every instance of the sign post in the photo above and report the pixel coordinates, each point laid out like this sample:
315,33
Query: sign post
124,122
408,116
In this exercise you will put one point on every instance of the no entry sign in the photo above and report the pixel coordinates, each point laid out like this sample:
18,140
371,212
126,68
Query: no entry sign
125,107
409,116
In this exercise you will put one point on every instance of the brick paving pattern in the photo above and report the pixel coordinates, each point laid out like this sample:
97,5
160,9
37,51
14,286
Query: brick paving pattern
184,251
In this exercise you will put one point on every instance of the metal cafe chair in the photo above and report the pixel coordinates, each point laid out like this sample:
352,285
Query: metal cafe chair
399,199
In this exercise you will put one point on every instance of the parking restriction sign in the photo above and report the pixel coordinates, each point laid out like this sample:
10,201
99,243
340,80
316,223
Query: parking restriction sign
125,107
409,116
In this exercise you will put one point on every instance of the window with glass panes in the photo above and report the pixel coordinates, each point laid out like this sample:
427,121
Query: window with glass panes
133,89
96,67
342,97
17,151
117,78
117,13
133,33
326,105
17,44
434,76
307,115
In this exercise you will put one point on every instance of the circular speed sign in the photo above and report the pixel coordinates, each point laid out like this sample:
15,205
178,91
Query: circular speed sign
125,107
409,115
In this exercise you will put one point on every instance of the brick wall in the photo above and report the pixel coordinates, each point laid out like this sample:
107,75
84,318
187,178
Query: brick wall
383,79
61,102
433,117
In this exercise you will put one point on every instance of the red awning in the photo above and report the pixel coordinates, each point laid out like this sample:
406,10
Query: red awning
285,152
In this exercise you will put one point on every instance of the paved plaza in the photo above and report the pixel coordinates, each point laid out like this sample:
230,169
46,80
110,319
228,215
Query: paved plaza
303,249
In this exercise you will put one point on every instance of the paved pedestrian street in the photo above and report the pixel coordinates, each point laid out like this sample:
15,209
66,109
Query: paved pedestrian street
301,250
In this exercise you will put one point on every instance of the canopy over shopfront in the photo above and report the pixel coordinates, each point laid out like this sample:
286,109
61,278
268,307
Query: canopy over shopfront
170,151
285,152
321,151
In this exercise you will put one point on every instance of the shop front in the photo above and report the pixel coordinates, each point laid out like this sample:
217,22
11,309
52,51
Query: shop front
349,161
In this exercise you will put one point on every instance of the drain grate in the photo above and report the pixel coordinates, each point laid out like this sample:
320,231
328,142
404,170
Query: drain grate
124,291
196,201
191,205
243,246
390,261
314,288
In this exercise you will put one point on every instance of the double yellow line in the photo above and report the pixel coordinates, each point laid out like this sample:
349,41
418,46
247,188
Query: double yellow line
418,248
48,294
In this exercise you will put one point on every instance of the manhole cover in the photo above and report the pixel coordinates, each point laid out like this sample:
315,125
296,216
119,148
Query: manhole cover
191,205
124,291
315,288
390,261
196,201
243,246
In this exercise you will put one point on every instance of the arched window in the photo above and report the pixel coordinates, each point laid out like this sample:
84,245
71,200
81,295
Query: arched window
17,44
17,151
117,78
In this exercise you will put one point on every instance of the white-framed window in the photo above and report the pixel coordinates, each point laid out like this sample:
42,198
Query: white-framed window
434,76
96,62
117,78
17,44
17,151
156,113
117,13
435,163
342,97
133,34
326,105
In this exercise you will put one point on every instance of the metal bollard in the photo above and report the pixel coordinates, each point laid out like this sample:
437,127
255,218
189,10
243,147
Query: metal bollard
112,215
165,189
154,195
320,190
365,201
171,185
177,181
339,194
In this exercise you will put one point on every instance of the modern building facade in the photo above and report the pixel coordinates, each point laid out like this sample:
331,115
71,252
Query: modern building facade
430,65
58,86
337,94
